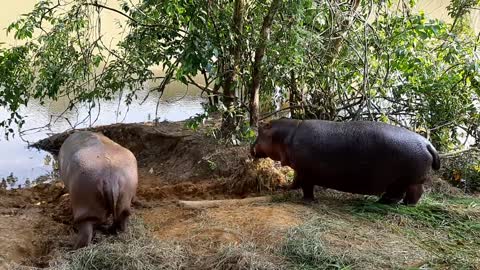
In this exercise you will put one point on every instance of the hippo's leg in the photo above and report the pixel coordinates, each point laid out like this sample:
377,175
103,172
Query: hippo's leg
84,234
123,221
120,223
308,189
413,194
394,194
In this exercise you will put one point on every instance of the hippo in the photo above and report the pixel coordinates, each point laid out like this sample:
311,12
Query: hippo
360,157
101,177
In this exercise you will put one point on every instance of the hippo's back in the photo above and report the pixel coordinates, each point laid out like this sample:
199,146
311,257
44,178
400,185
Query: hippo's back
94,168
92,151
371,153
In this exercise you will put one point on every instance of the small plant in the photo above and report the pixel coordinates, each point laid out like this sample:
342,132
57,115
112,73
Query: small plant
194,122
11,180
3,184
212,165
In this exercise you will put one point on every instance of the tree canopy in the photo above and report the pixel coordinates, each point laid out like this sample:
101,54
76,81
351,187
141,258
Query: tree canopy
325,59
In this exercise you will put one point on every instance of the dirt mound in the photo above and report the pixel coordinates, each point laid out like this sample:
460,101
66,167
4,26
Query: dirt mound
173,159
157,148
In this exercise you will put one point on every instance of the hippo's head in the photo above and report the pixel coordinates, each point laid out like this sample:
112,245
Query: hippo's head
262,147
273,138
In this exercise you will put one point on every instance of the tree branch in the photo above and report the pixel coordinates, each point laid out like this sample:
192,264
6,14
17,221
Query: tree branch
133,19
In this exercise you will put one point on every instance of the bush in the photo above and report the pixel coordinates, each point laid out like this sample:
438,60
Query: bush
463,170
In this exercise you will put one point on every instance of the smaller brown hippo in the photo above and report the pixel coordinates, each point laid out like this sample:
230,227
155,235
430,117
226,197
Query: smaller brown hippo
101,178
360,157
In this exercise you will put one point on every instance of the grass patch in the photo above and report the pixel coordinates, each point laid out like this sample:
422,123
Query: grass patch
135,249
444,226
430,212
456,200
304,249
245,256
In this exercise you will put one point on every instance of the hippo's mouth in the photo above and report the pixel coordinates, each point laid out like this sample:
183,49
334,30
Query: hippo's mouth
255,153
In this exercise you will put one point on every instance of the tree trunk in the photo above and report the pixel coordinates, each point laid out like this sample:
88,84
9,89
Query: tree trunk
216,87
257,74
231,68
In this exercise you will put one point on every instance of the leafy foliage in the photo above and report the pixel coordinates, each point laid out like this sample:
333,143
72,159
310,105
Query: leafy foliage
317,59
463,171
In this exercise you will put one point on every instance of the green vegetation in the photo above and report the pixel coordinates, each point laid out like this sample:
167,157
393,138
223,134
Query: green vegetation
463,171
305,249
334,60
448,227
445,229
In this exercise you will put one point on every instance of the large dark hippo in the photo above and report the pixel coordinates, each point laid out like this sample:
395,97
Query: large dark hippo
101,177
360,157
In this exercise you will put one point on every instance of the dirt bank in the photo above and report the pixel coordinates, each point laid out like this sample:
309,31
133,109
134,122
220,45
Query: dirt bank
177,163
170,154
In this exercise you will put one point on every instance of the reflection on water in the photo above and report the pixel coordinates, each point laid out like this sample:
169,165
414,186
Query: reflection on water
21,166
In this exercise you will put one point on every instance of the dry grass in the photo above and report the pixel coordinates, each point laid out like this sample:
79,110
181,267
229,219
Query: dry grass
245,256
259,176
134,250
340,231
304,248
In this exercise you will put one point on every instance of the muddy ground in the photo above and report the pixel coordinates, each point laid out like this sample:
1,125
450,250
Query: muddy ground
178,164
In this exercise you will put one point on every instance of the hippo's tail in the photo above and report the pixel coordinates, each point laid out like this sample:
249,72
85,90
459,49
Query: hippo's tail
436,157
111,196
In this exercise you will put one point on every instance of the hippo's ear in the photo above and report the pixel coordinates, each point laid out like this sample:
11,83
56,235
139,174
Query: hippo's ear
267,125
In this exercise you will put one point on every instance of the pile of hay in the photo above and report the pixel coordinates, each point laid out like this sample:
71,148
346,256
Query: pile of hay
260,176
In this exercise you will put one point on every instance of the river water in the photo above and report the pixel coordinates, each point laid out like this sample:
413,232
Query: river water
22,164
19,163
